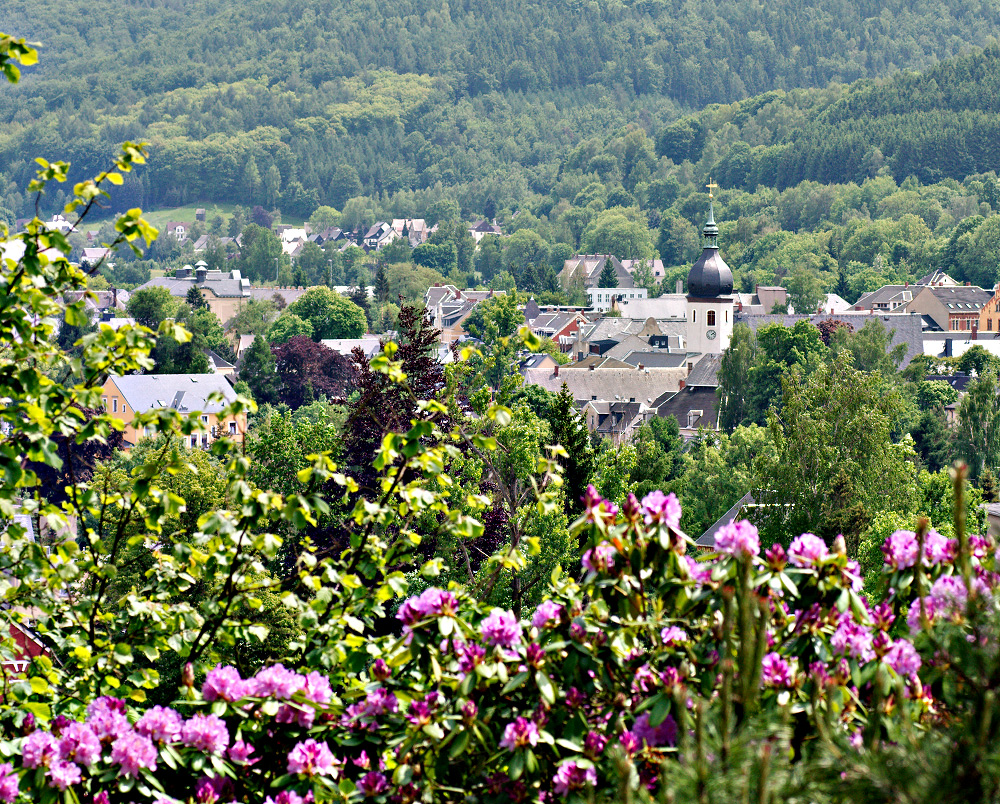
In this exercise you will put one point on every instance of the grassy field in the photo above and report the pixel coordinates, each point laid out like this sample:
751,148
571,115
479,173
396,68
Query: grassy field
185,214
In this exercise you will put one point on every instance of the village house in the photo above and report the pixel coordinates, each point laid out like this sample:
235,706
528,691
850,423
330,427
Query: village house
448,308
224,293
126,397
480,229
414,230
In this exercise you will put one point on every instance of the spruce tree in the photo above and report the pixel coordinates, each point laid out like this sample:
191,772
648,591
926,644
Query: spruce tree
381,284
570,430
609,279
195,299
259,371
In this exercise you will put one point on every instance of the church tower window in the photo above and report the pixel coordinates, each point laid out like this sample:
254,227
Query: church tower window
711,318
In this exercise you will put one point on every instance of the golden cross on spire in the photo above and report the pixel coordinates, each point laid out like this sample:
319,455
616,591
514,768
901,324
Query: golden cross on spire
711,186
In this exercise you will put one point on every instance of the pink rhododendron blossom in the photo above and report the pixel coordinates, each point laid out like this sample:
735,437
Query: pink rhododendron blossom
206,733
79,744
106,717
600,558
571,776
372,784
63,774
133,752
381,671
852,639
949,594
432,602
664,734
548,613
311,759
419,714
8,783
469,655
901,549
223,682
776,671
594,743
938,549
663,509
500,628
672,635
160,724
210,789
630,742
596,508
903,658
317,688
40,749
701,571
290,797
775,557
807,550
519,733
275,681
239,753
738,539
852,572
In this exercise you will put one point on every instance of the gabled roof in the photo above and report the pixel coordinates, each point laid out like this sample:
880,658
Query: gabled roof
184,392
707,539
656,359
705,373
590,266
962,298
680,404
893,295
219,285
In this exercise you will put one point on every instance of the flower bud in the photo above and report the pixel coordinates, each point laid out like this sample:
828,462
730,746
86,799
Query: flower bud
469,712
535,654
775,556
381,671
187,675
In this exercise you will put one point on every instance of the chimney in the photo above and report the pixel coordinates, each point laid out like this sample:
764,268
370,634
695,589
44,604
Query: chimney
641,367
592,367
556,371
967,284
683,385
114,298
975,330
201,275
857,306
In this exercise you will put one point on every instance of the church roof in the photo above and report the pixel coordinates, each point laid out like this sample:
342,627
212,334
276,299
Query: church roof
710,277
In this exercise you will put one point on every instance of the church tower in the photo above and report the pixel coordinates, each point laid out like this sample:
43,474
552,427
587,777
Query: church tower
710,287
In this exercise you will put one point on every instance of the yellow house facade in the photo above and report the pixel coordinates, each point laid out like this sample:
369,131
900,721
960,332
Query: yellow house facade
126,397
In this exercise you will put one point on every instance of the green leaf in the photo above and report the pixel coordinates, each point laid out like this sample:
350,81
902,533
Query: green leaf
460,743
545,686
516,766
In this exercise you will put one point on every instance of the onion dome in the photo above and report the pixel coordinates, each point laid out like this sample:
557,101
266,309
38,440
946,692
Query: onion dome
710,276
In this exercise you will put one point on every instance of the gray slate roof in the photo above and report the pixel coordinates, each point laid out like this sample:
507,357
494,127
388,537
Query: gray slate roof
184,392
705,374
707,539
221,287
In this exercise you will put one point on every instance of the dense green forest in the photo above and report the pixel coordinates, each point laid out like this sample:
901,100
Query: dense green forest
296,103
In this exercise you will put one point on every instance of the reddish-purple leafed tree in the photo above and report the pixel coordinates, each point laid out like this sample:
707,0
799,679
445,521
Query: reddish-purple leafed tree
308,370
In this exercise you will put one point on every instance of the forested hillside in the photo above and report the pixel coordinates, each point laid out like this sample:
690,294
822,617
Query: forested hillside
298,102
944,123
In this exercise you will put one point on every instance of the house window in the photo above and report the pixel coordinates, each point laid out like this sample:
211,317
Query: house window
114,404
711,318
194,441
204,439
726,314
104,402
204,419
232,428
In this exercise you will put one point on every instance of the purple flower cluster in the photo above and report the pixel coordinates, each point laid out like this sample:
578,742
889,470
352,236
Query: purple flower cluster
572,776
161,725
776,671
807,550
661,509
654,736
600,558
500,628
673,636
548,613
903,658
133,752
373,784
597,509
519,733
8,783
901,549
738,539
432,602
206,733
852,639
311,758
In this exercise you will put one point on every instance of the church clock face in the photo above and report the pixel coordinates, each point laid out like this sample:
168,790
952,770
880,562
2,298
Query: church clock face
710,334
